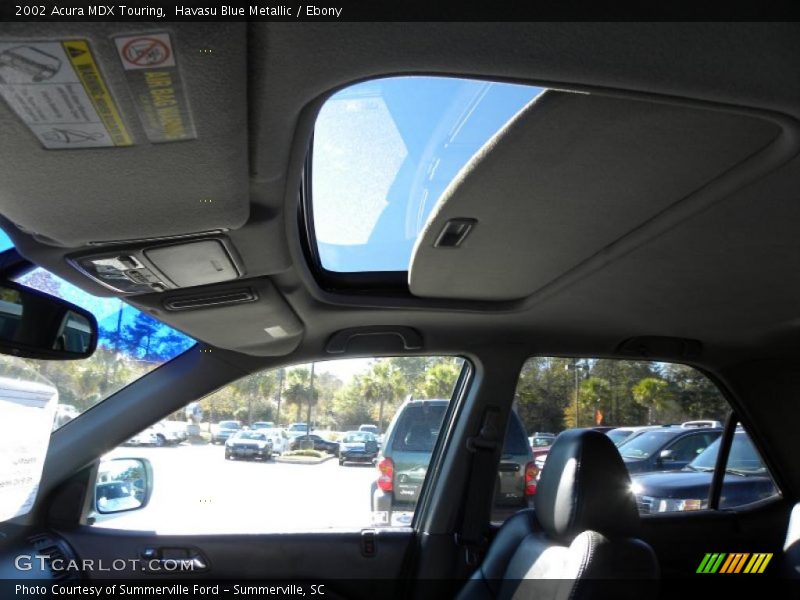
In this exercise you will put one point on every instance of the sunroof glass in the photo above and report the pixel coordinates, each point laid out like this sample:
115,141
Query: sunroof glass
385,150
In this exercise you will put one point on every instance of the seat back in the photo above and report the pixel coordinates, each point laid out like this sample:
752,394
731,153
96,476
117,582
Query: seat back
579,540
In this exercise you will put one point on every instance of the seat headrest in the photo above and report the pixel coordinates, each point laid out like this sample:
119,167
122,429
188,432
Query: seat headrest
585,486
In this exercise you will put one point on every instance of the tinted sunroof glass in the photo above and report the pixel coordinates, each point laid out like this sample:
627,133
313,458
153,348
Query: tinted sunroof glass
385,150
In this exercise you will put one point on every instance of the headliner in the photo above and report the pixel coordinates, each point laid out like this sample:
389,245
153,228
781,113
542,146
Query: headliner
719,270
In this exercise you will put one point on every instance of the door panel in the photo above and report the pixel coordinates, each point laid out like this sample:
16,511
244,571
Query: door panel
332,558
681,540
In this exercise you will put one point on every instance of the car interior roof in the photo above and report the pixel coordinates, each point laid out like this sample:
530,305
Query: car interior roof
707,258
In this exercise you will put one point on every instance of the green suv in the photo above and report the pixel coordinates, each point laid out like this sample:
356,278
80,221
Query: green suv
407,451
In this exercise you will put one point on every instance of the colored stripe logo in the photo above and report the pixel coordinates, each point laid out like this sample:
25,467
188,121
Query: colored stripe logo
736,562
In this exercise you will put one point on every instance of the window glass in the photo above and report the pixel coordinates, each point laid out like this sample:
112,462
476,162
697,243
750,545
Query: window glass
645,444
5,241
746,480
664,418
689,447
385,150
131,344
315,469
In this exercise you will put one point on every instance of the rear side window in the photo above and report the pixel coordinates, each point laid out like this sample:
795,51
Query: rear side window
666,420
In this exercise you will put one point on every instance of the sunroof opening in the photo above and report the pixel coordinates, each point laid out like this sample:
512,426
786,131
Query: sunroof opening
385,150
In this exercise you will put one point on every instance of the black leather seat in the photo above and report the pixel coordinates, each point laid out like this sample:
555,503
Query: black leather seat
579,540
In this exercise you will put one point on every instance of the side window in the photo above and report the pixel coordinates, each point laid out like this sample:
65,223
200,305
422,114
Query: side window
687,448
338,444
747,479
665,419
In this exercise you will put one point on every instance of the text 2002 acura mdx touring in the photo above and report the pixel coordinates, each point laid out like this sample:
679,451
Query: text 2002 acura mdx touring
578,224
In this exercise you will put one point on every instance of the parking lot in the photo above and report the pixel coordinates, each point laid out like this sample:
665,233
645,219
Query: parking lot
195,490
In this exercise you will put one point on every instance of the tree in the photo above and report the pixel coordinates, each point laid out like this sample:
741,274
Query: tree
544,390
439,380
384,382
594,394
696,394
298,389
654,395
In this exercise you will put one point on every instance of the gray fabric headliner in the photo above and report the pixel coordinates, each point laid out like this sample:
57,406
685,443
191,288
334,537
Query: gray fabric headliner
569,175
102,194
292,67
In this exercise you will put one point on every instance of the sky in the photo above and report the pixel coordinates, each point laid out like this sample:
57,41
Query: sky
385,150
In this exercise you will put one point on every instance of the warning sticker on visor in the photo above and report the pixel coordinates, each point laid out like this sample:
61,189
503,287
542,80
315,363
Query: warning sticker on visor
152,73
56,88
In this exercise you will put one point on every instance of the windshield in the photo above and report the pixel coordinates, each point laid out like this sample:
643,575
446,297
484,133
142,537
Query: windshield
250,435
385,150
358,436
743,457
542,441
130,345
229,425
643,445
618,436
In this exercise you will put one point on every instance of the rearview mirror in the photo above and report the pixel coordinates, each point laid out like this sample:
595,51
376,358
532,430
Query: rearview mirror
37,325
666,455
122,484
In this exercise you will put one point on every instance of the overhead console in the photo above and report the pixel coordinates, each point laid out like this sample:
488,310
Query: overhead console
161,267
568,177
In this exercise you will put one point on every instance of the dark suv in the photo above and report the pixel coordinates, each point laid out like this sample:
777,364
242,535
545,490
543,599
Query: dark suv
668,448
407,450
746,481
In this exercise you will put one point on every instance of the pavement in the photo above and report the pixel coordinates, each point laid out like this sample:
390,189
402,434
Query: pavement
195,490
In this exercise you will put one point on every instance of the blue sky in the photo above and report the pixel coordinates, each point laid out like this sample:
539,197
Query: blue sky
385,150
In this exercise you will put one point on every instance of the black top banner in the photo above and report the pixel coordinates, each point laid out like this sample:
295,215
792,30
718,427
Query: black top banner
391,10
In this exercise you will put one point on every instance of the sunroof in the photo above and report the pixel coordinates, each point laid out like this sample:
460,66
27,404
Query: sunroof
385,150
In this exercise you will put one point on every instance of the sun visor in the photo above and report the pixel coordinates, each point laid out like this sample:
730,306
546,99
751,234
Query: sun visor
569,175
122,131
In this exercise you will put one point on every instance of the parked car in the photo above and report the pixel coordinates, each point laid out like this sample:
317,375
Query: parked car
621,434
115,496
173,432
373,429
358,446
248,444
666,448
746,481
701,423
263,425
298,428
541,440
403,462
64,414
278,437
224,430
320,443
146,437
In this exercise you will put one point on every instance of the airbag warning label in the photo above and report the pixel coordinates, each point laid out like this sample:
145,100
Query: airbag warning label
56,88
152,74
